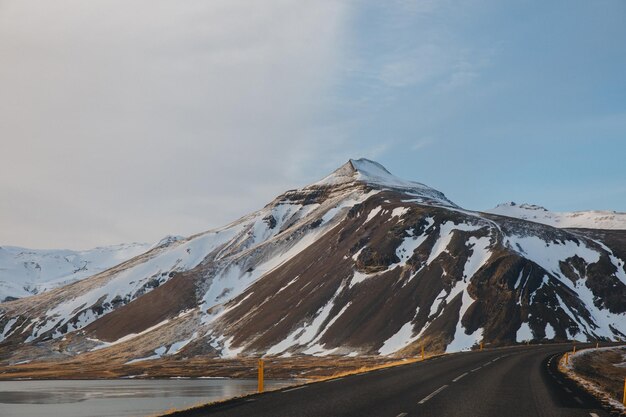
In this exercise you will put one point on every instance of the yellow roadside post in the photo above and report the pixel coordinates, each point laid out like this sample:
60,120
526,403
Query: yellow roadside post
481,346
261,366
574,348
423,356
624,399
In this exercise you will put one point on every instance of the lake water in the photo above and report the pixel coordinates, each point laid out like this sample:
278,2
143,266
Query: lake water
117,398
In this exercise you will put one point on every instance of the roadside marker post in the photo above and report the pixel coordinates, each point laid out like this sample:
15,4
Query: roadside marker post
566,358
423,352
597,345
481,346
261,370
624,399
574,348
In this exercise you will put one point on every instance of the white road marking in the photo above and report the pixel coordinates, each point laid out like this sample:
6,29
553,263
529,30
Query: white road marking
459,377
496,359
578,400
593,415
569,391
474,370
293,389
249,400
433,394
402,415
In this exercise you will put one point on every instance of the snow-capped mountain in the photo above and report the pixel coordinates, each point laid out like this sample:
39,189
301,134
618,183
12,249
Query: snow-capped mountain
24,272
594,219
360,262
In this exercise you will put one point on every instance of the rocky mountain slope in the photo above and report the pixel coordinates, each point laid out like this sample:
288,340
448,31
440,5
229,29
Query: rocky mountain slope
25,272
358,263
594,219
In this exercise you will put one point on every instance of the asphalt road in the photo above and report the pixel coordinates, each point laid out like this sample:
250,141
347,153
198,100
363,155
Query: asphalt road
509,382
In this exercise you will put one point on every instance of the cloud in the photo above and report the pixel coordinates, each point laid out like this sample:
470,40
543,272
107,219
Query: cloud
422,143
127,120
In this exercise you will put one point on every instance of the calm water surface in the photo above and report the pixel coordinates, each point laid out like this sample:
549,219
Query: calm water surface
116,398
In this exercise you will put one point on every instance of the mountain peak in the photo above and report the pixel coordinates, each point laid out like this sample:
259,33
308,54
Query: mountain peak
363,170
372,173
367,165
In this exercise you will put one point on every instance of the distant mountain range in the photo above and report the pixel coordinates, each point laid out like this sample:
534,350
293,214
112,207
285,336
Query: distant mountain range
359,263
577,219
25,272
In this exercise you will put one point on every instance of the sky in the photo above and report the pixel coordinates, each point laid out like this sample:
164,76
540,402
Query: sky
125,121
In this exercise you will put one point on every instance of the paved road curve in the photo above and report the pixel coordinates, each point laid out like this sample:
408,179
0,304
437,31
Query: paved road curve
509,382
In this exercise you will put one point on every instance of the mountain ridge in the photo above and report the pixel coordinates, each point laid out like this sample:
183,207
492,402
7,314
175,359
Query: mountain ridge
359,263
25,272
586,219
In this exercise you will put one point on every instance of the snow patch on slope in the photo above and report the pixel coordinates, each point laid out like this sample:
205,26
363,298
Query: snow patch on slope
372,214
446,231
463,341
358,277
308,331
480,255
524,333
407,248
401,339
548,254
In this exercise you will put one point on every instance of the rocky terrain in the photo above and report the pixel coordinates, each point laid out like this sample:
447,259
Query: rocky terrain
361,263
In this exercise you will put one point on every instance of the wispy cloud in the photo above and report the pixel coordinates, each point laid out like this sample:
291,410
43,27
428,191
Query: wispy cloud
422,143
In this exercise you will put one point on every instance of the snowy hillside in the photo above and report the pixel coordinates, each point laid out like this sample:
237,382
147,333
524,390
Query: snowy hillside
76,306
577,219
359,263
25,272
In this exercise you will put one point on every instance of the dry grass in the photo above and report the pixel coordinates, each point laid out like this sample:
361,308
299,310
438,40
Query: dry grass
305,367
601,372
601,368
